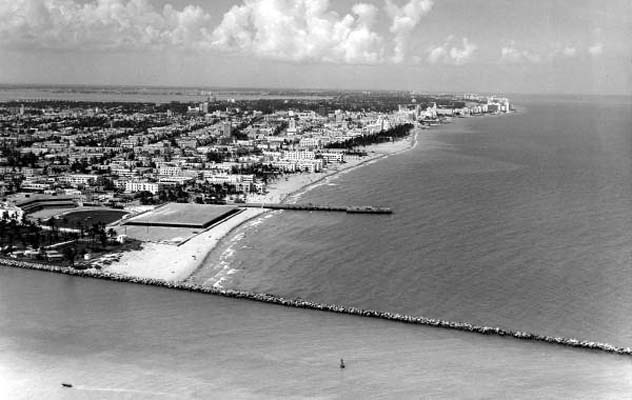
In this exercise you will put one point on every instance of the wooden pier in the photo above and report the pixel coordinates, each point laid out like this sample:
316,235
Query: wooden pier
314,207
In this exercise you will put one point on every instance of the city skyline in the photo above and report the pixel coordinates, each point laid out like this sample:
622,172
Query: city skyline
434,46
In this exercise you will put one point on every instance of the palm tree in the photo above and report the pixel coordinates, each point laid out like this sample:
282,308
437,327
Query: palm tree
69,254
10,240
112,233
93,231
3,226
103,237
53,226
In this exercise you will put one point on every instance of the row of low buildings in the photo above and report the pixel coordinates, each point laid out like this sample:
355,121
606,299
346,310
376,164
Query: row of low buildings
472,106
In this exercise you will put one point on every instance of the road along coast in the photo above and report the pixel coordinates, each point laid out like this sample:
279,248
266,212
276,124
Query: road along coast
300,303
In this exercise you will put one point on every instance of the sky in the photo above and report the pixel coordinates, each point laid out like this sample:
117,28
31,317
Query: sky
486,46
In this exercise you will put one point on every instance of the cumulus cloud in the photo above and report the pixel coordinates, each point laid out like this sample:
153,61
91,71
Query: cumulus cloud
100,25
450,53
562,51
300,31
596,49
512,54
287,30
404,20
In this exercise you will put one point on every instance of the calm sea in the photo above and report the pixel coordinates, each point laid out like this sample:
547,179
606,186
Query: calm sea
123,341
519,221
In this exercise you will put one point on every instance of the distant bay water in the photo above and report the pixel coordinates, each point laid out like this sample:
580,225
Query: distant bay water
140,94
521,221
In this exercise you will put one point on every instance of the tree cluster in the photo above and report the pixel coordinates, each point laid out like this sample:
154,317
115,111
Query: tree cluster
379,137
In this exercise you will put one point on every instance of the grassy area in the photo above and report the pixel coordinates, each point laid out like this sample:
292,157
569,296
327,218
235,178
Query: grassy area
76,219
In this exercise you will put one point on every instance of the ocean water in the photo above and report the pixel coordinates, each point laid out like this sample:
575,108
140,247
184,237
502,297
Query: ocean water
124,341
521,221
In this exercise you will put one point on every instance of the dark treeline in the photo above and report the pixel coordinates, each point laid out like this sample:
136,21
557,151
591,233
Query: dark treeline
352,101
34,106
16,234
325,102
380,137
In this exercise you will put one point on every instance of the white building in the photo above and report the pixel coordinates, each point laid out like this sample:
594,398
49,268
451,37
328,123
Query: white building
167,170
178,180
299,155
310,165
35,186
330,157
78,179
135,187
222,178
310,142
11,211
292,130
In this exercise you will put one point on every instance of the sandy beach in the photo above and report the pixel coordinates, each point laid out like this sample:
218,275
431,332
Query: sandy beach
173,261
288,186
177,260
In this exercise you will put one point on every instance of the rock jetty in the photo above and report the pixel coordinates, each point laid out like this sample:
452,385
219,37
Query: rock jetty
301,303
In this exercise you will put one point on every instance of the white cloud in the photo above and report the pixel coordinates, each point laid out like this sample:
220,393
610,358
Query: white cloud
569,51
300,31
449,53
511,54
404,20
559,50
596,49
286,30
100,25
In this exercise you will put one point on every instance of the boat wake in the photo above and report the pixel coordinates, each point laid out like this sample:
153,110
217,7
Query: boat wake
123,390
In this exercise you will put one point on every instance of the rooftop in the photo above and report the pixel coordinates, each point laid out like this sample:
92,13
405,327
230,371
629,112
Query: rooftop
184,215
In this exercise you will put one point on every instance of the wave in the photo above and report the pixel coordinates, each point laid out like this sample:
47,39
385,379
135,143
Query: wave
122,390
306,304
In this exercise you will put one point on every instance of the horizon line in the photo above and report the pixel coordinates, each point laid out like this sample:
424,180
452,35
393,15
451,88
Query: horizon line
321,89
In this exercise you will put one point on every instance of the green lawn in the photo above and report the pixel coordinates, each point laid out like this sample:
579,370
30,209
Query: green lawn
74,219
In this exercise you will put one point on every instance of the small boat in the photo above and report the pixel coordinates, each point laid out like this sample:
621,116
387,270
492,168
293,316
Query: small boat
66,385
342,363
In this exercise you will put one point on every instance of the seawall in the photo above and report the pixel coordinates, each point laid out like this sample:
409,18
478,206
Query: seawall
300,303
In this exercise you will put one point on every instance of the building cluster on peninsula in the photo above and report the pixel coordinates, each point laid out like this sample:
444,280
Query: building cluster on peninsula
63,154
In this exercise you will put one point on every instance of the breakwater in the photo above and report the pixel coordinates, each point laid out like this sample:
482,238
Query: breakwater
314,207
306,304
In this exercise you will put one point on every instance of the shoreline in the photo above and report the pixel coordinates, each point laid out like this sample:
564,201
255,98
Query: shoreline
178,263
175,262
333,308
297,185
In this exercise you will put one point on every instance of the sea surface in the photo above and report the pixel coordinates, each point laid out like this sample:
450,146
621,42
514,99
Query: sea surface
123,341
521,221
